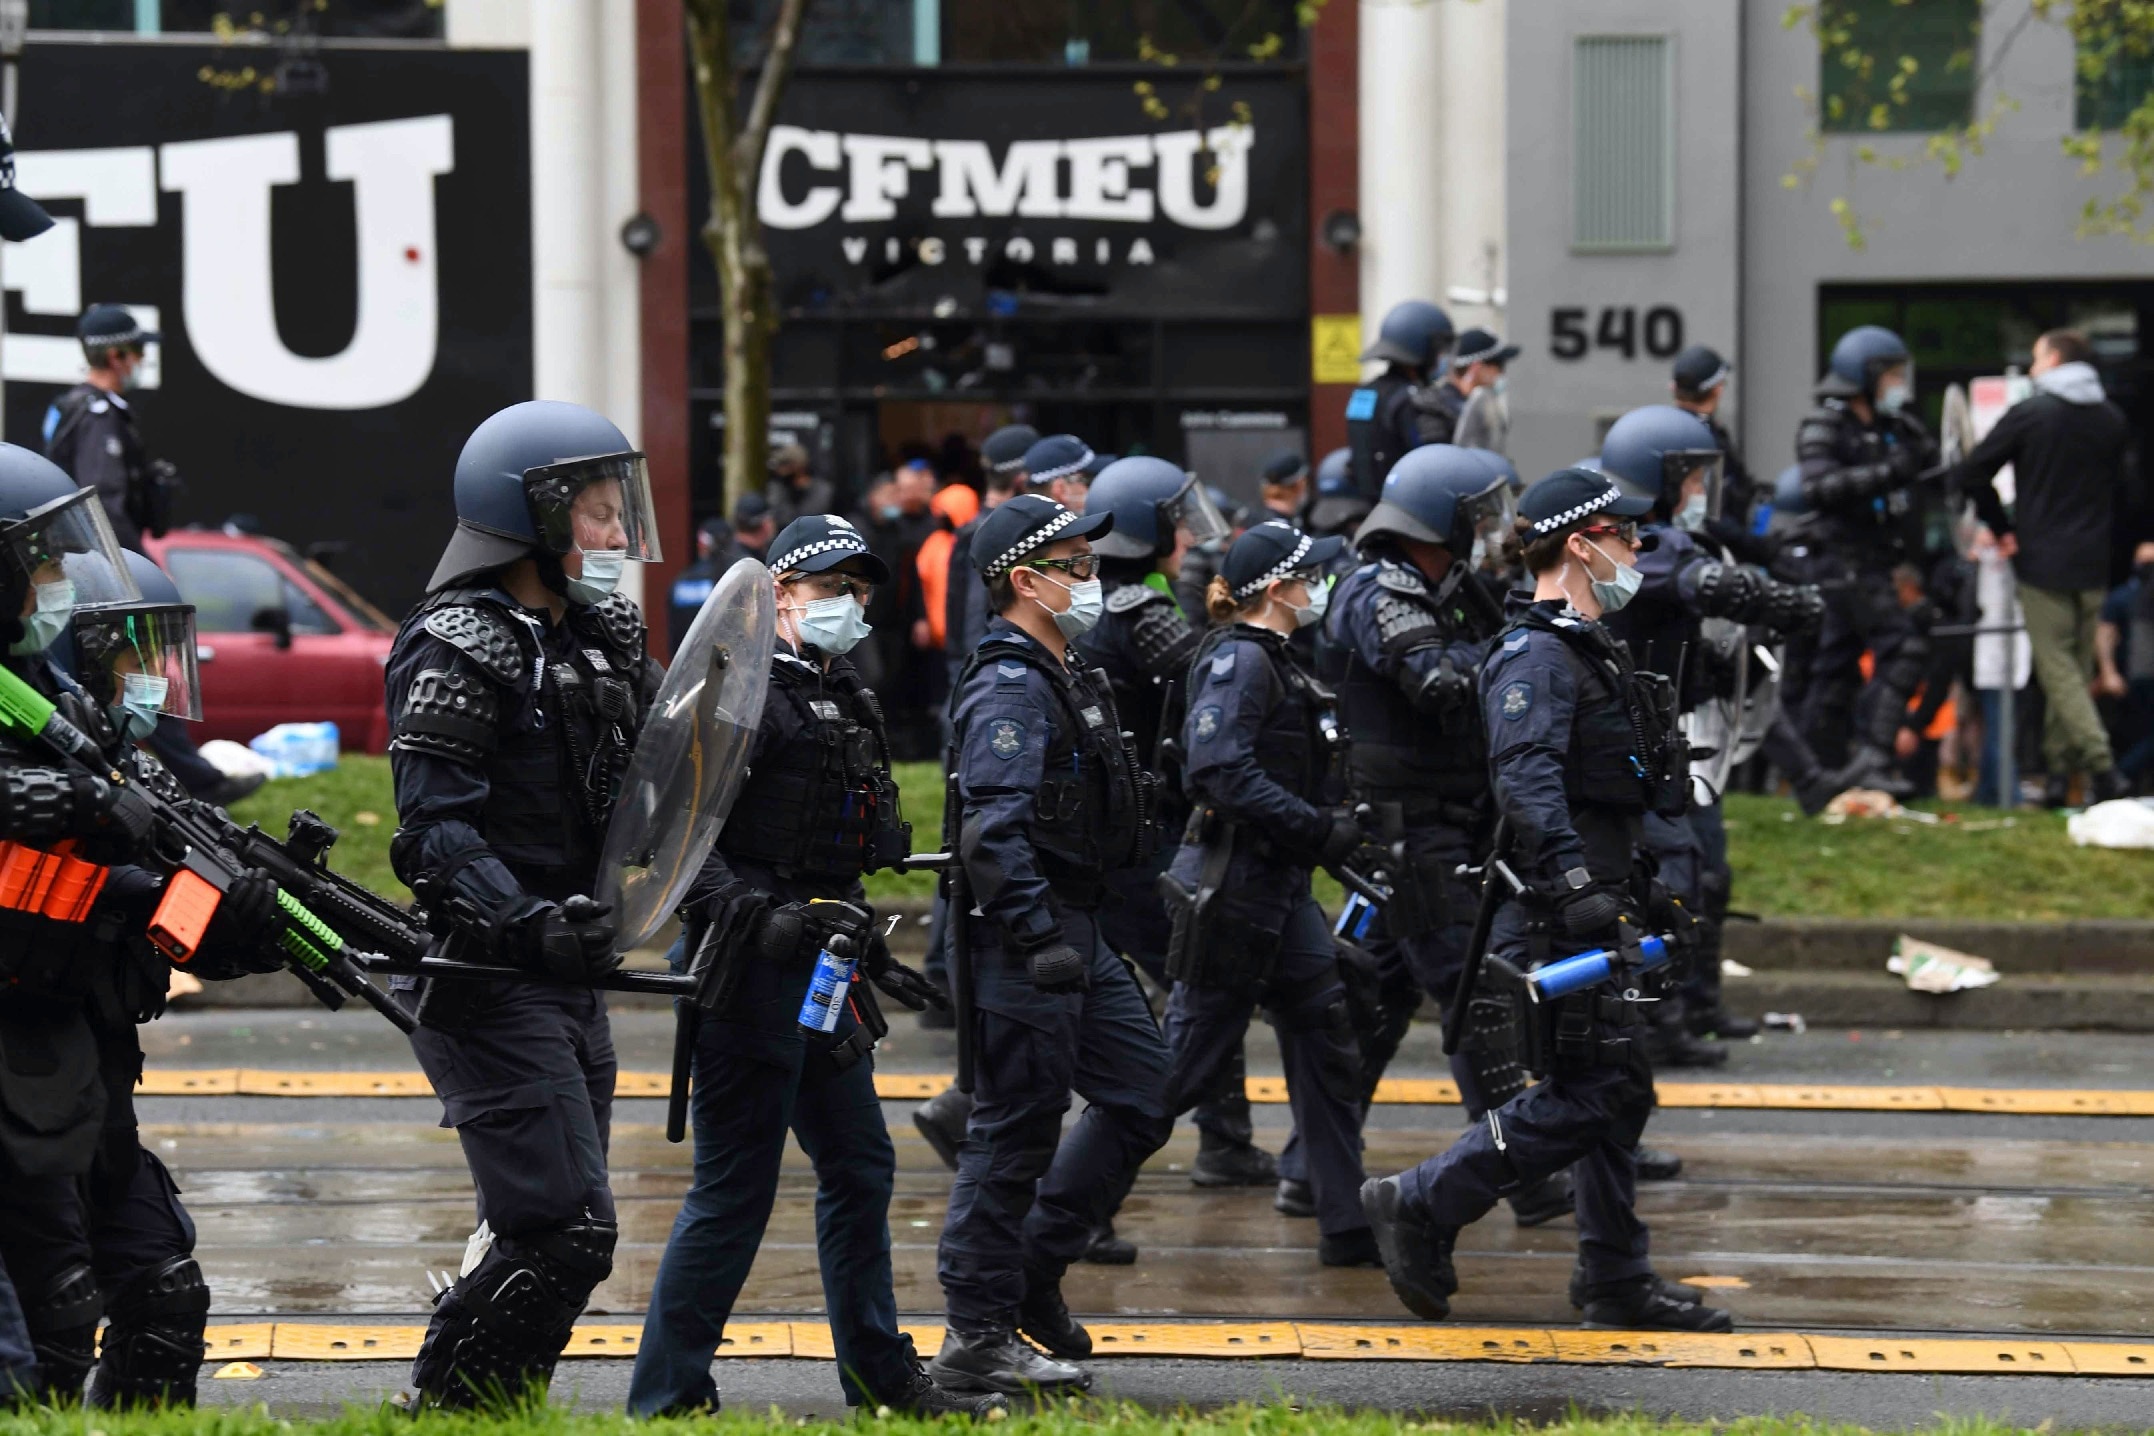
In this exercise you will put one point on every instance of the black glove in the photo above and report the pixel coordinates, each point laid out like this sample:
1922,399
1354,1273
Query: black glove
1906,462
1793,609
243,934
127,815
571,941
1056,967
901,984
1589,912
1343,833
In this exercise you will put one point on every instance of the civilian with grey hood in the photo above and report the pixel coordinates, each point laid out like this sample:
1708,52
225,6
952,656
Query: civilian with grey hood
2069,449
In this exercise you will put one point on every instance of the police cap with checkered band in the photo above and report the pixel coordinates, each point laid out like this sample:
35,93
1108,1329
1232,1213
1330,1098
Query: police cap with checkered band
813,543
1025,525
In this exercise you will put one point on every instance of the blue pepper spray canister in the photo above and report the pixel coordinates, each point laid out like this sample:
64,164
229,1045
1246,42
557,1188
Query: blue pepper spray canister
829,987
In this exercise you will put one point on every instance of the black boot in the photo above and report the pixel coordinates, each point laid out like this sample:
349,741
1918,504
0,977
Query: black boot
942,1120
1354,1248
2057,790
1815,793
2108,786
1539,1203
1294,1199
1875,768
1674,1290
1655,1165
1671,1045
998,1361
1221,1163
922,1395
1107,1249
1043,1317
1417,1255
1721,1023
1648,1304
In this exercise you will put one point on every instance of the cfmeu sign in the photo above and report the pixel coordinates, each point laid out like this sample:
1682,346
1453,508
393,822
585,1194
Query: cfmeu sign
224,189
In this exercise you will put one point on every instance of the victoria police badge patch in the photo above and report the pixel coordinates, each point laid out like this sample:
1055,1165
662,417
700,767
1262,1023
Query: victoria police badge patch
1517,698
1006,738
1207,723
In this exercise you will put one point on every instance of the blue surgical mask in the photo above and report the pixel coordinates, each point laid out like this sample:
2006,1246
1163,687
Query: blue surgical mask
1691,516
55,601
1612,594
142,698
601,574
1311,614
1502,383
1087,602
833,625
1893,398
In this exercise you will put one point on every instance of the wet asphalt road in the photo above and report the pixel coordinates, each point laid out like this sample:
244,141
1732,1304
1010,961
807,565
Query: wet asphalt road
319,1208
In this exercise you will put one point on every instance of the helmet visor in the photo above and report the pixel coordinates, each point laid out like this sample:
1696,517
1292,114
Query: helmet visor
154,643
1487,517
599,504
71,539
1679,466
1193,512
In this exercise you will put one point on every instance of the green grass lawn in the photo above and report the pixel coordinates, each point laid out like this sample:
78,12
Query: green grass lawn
1281,1418
1978,864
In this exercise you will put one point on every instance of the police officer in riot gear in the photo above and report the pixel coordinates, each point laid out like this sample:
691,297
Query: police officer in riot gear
819,809
1144,643
1698,383
1265,770
90,429
1394,411
1338,507
136,663
516,689
1047,797
1860,454
1670,458
1403,645
1581,747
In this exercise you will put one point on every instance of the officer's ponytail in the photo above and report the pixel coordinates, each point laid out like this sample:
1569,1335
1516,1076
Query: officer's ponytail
1539,555
1219,602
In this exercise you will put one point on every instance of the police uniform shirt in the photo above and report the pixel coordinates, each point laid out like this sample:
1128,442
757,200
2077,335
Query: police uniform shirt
1529,697
1235,702
91,433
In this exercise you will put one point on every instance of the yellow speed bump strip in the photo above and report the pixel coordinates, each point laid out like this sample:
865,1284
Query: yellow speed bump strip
1402,1091
1316,1341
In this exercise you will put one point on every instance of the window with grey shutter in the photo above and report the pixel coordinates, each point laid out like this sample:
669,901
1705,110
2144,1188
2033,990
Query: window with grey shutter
1622,143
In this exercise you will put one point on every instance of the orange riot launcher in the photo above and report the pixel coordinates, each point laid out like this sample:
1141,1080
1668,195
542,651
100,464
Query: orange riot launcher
201,853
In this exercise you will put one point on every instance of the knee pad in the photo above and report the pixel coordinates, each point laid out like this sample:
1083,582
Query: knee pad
153,1346
498,1331
63,1330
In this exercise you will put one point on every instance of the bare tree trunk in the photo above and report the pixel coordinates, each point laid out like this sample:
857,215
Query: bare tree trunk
733,147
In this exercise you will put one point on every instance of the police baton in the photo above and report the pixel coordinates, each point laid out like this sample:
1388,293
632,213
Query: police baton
1497,883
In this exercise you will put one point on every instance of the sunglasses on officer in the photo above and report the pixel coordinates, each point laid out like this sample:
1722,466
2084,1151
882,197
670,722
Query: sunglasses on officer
1624,531
1080,566
833,585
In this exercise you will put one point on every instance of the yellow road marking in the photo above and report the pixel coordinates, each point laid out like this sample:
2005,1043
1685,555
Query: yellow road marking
1313,1341
1403,1091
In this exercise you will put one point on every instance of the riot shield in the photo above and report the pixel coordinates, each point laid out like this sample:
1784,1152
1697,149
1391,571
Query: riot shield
1485,422
1714,726
691,756
1955,441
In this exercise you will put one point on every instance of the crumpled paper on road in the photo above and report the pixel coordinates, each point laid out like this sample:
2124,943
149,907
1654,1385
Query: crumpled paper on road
2118,823
1930,968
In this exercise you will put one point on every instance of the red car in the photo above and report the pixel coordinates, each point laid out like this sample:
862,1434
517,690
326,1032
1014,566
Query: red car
282,639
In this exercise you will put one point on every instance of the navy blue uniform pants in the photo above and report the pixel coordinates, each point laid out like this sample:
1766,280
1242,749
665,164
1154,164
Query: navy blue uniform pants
1027,1195
1307,1005
1862,613
756,1079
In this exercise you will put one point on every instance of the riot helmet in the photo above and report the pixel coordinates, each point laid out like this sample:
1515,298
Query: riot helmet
1335,473
138,658
1501,467
542,479
1652,452
1860,358
1150,499
56,551
1414,333
1442,494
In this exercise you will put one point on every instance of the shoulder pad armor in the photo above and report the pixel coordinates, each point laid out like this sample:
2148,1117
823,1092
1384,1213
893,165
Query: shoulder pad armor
1132,595
484,637
1399,578
1165,641
1402,624
621,620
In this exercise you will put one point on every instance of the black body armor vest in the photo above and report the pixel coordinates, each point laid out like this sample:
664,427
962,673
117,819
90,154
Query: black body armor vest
819,798
1400,754
1303,744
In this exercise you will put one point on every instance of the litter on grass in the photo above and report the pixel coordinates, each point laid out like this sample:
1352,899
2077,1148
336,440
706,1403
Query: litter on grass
1928,967
2118,823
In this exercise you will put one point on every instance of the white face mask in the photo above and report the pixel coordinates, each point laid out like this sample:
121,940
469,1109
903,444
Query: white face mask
1087,602
142,698
833,625
1893,398
1691,516
601,574
55,601
1612,594
1313,612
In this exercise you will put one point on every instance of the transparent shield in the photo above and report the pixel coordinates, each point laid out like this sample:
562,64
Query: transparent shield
598,503
1488,516
114,645
1761,695
1714,727
1194,512
691,755
71,539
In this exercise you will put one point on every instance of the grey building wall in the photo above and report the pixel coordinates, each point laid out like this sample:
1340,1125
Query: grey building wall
1559,407
2008,216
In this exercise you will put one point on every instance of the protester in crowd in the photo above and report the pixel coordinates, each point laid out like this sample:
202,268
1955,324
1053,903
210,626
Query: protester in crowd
2124,656
955,505
2068,447
896,520
794,489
